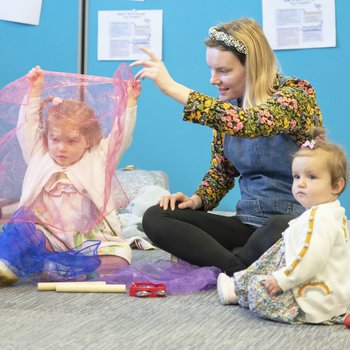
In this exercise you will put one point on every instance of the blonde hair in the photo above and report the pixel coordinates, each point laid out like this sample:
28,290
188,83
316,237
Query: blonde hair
260,62
334,156
77,112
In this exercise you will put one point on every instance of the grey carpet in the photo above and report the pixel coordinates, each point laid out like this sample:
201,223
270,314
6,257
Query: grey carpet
48,320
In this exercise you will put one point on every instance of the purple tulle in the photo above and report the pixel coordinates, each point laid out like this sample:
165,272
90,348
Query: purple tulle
179,277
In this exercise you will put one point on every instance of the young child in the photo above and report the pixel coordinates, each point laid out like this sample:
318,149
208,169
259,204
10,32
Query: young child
303,278
66,191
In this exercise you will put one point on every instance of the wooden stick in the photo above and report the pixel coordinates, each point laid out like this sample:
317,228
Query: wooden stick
91,288
51,286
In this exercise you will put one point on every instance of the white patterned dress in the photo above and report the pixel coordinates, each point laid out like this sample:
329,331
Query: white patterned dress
324,224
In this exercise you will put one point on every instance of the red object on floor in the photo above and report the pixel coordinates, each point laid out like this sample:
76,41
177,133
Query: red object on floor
347,320
147,290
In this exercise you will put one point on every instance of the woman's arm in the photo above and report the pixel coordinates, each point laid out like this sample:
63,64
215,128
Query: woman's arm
214,186
220,177
292,109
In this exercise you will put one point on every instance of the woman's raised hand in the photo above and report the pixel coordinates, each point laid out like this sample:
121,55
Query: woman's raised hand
155,69
182,200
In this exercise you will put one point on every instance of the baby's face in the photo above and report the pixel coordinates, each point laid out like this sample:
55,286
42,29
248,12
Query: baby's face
66,145
312,183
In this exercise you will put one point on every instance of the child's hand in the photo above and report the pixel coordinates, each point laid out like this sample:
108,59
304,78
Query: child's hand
134,91
271,286
36,79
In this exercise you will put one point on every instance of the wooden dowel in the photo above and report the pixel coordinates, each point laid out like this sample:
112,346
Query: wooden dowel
91,288
51,286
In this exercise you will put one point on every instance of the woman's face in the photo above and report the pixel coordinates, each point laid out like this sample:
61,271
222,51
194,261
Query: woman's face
227,73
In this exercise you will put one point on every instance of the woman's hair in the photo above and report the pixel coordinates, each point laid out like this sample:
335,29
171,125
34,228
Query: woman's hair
76,112
259,60
333,154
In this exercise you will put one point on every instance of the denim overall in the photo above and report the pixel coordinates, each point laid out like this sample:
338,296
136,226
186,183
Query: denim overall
265,183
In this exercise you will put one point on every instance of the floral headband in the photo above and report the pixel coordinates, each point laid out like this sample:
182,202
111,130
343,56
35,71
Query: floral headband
227,39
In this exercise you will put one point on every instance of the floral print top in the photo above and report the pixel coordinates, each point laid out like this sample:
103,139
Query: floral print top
292,110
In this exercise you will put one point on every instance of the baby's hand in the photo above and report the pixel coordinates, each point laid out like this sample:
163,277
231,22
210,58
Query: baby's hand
36,79
134,91
271,286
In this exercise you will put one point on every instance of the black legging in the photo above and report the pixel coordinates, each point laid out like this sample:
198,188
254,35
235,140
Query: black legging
206,239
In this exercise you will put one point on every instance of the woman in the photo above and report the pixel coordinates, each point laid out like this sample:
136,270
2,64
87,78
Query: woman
259,120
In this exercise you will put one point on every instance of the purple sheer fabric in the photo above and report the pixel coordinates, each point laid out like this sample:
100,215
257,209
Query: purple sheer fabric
179,277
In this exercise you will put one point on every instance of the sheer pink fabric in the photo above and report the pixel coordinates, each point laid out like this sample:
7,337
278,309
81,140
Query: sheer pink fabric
107,97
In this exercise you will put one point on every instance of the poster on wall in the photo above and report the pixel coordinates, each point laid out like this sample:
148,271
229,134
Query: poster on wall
21,11
299,24
121,33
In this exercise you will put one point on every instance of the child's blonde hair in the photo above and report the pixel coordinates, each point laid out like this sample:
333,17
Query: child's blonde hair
333,154
77,112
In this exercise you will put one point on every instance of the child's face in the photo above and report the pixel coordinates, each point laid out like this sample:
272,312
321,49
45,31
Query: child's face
66,145
312,181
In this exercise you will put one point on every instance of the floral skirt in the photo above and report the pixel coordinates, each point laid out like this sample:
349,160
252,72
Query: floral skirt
252,294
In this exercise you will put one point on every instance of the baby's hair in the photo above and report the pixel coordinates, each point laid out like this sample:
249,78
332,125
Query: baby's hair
77,112
334,155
